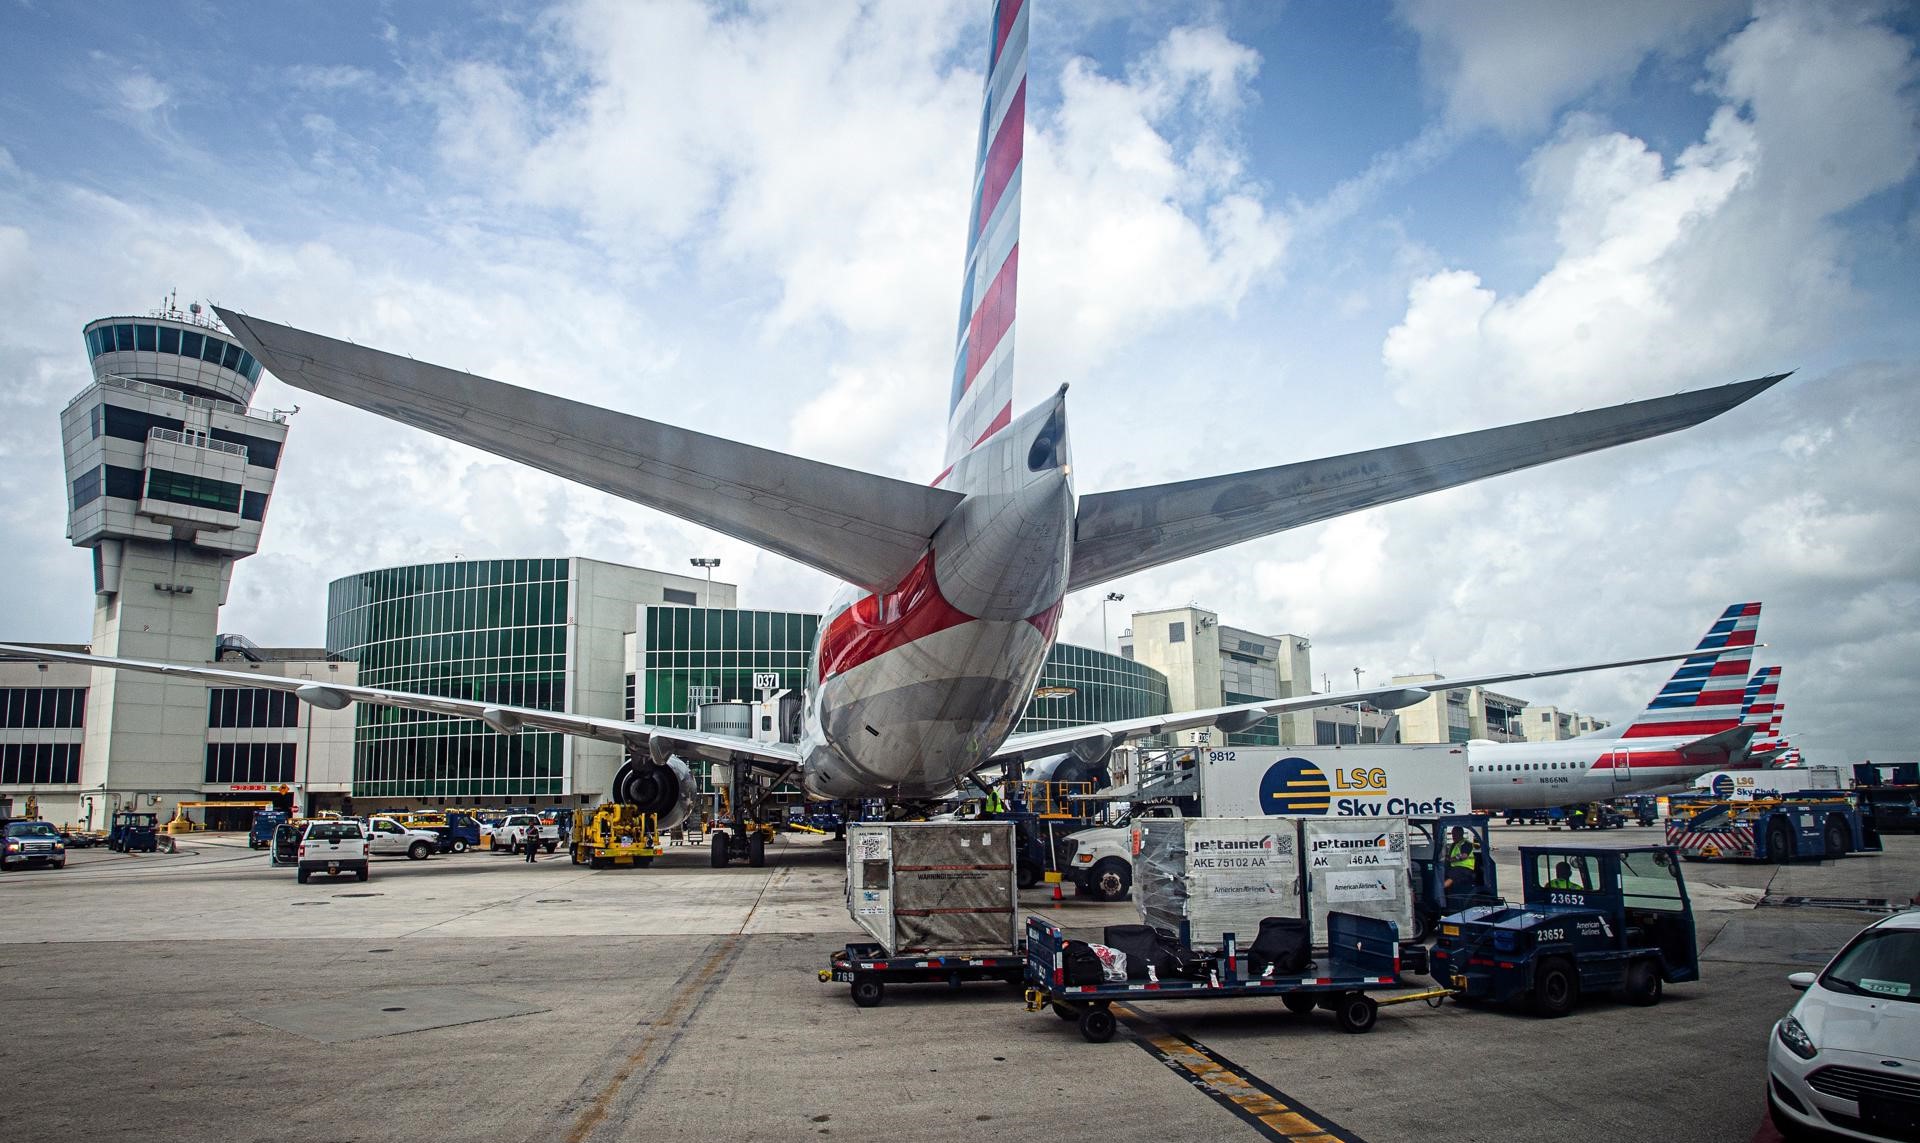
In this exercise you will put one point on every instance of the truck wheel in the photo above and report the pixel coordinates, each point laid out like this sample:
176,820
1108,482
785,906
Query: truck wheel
300,876
868,993
1112,879
553,845
1644,984
1422,927
1357,1012
418,851
1025,876
1837,837
1097,1025
1299,1003
578,857
1779,843
360,874
1554,987
459,845
719,850
756,851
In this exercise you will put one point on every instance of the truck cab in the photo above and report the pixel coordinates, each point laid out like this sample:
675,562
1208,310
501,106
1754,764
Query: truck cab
1099,861
1593,920
134,832
389,838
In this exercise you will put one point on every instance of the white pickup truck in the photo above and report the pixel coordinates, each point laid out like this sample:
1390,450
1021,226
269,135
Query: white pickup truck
511,834
332,848
391,839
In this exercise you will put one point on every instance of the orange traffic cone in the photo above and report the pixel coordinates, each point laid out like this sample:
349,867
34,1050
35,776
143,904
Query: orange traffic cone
1056,891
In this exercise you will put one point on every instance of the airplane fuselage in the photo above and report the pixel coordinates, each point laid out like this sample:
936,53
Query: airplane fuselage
1535,775
912,688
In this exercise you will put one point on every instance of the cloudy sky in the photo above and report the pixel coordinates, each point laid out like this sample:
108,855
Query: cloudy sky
1254,233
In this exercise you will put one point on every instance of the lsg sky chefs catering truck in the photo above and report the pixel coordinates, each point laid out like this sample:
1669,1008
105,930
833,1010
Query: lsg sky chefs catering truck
1420,780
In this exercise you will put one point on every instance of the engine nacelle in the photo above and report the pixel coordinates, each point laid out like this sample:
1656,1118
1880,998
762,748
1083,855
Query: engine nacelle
665,789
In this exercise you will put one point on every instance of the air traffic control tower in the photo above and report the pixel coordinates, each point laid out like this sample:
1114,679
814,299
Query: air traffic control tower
168,477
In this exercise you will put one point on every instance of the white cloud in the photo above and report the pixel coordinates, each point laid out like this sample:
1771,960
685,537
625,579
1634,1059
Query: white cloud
1511,64
1726,264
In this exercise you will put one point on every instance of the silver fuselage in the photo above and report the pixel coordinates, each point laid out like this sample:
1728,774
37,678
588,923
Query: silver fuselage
912,688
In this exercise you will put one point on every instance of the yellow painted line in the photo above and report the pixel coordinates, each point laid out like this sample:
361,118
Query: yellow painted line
1273,1113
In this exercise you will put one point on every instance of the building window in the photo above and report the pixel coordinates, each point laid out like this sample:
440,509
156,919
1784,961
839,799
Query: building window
199,491
253,506
1176,632
249,763
39,763
251,706
134,424
122,483
86,487
684,598
35,708
261,452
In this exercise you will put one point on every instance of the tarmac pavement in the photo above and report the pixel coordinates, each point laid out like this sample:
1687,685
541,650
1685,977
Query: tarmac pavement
205,995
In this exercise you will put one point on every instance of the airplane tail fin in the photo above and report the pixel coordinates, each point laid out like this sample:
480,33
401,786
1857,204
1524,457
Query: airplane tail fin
1707,695
1763,689
982,399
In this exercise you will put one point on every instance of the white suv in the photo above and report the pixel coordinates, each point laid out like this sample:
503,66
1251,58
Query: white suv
1846,1060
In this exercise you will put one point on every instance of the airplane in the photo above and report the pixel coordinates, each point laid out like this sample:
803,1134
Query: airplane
1763,710
926,659
1703,719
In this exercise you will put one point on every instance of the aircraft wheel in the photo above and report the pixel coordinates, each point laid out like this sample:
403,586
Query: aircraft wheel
756,851
719,849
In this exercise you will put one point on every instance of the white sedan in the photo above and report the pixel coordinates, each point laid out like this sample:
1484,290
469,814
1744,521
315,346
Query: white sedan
1846,1060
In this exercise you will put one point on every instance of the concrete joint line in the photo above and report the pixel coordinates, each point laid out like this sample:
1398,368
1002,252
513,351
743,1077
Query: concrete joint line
662,1032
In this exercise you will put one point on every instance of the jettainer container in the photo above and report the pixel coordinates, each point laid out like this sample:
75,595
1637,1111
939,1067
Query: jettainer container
934,887
1224,875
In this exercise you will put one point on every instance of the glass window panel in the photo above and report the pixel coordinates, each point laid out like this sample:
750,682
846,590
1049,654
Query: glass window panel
169,339
190,343
145,337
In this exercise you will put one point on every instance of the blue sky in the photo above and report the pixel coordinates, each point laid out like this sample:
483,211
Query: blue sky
1254,233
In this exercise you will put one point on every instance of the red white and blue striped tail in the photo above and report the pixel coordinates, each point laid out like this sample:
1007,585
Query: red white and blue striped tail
1707,694
982,402
1763,690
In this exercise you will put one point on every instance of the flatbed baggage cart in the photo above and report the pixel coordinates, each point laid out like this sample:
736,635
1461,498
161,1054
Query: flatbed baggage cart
1363,956
868,970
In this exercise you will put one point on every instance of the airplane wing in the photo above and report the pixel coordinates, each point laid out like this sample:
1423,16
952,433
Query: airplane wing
773,756
1117,533
865,529
1094,740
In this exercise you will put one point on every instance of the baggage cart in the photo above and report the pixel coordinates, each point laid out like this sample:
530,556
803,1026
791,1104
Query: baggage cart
1363,956
867,969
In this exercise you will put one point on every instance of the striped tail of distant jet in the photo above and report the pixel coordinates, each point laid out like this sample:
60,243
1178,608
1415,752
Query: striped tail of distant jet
981,403
1706,696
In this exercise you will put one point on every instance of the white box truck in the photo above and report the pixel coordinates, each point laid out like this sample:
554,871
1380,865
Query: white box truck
1362,782
1768,783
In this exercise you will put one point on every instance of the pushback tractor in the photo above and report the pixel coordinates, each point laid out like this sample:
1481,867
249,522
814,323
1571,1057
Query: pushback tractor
1772,829
1593,921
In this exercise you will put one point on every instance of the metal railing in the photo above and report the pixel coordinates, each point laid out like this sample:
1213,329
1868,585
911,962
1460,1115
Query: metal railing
149,389
196,440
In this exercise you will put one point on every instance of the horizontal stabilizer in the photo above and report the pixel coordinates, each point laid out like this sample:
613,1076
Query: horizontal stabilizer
1118,533
868,530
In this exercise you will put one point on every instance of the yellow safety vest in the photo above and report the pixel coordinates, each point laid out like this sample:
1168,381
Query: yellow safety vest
1563,883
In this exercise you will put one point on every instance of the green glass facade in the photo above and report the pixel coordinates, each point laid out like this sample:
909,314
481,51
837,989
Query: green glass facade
488,630
1265,734
691,655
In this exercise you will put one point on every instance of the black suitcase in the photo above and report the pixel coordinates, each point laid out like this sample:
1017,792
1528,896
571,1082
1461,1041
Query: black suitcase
1143,947
1083,964
1286,943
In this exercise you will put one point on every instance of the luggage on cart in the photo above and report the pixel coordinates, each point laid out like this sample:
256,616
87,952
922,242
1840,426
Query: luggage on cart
1082,964
1286,943
1144,947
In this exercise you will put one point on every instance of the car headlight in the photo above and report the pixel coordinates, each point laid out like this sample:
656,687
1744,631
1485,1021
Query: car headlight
1796,1039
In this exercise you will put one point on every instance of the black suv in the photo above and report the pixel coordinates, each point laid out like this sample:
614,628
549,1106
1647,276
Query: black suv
29,842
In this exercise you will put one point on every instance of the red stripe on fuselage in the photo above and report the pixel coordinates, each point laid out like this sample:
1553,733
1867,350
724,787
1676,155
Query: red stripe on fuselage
1003,157
992,317
877,624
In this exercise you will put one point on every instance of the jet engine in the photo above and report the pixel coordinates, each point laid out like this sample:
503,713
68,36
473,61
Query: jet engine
662,788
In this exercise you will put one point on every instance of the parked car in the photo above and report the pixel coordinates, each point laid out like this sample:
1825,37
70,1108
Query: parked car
511,834
391,839
1846,1060
28,842
333,848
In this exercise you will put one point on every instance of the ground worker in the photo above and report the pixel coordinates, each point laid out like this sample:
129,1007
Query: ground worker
532,840
1462,870
994,804
1454,841
1563,878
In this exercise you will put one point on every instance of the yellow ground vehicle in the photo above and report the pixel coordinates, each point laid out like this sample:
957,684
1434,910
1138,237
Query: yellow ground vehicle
614,834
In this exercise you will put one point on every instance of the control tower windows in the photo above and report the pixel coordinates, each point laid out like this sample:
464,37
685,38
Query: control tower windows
145,337
253,506
169,339
261,453
181,488
134,425
86,487
165,339
190,344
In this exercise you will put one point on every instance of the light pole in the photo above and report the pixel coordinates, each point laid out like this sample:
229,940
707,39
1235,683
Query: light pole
1356,707
707,599
1112,597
